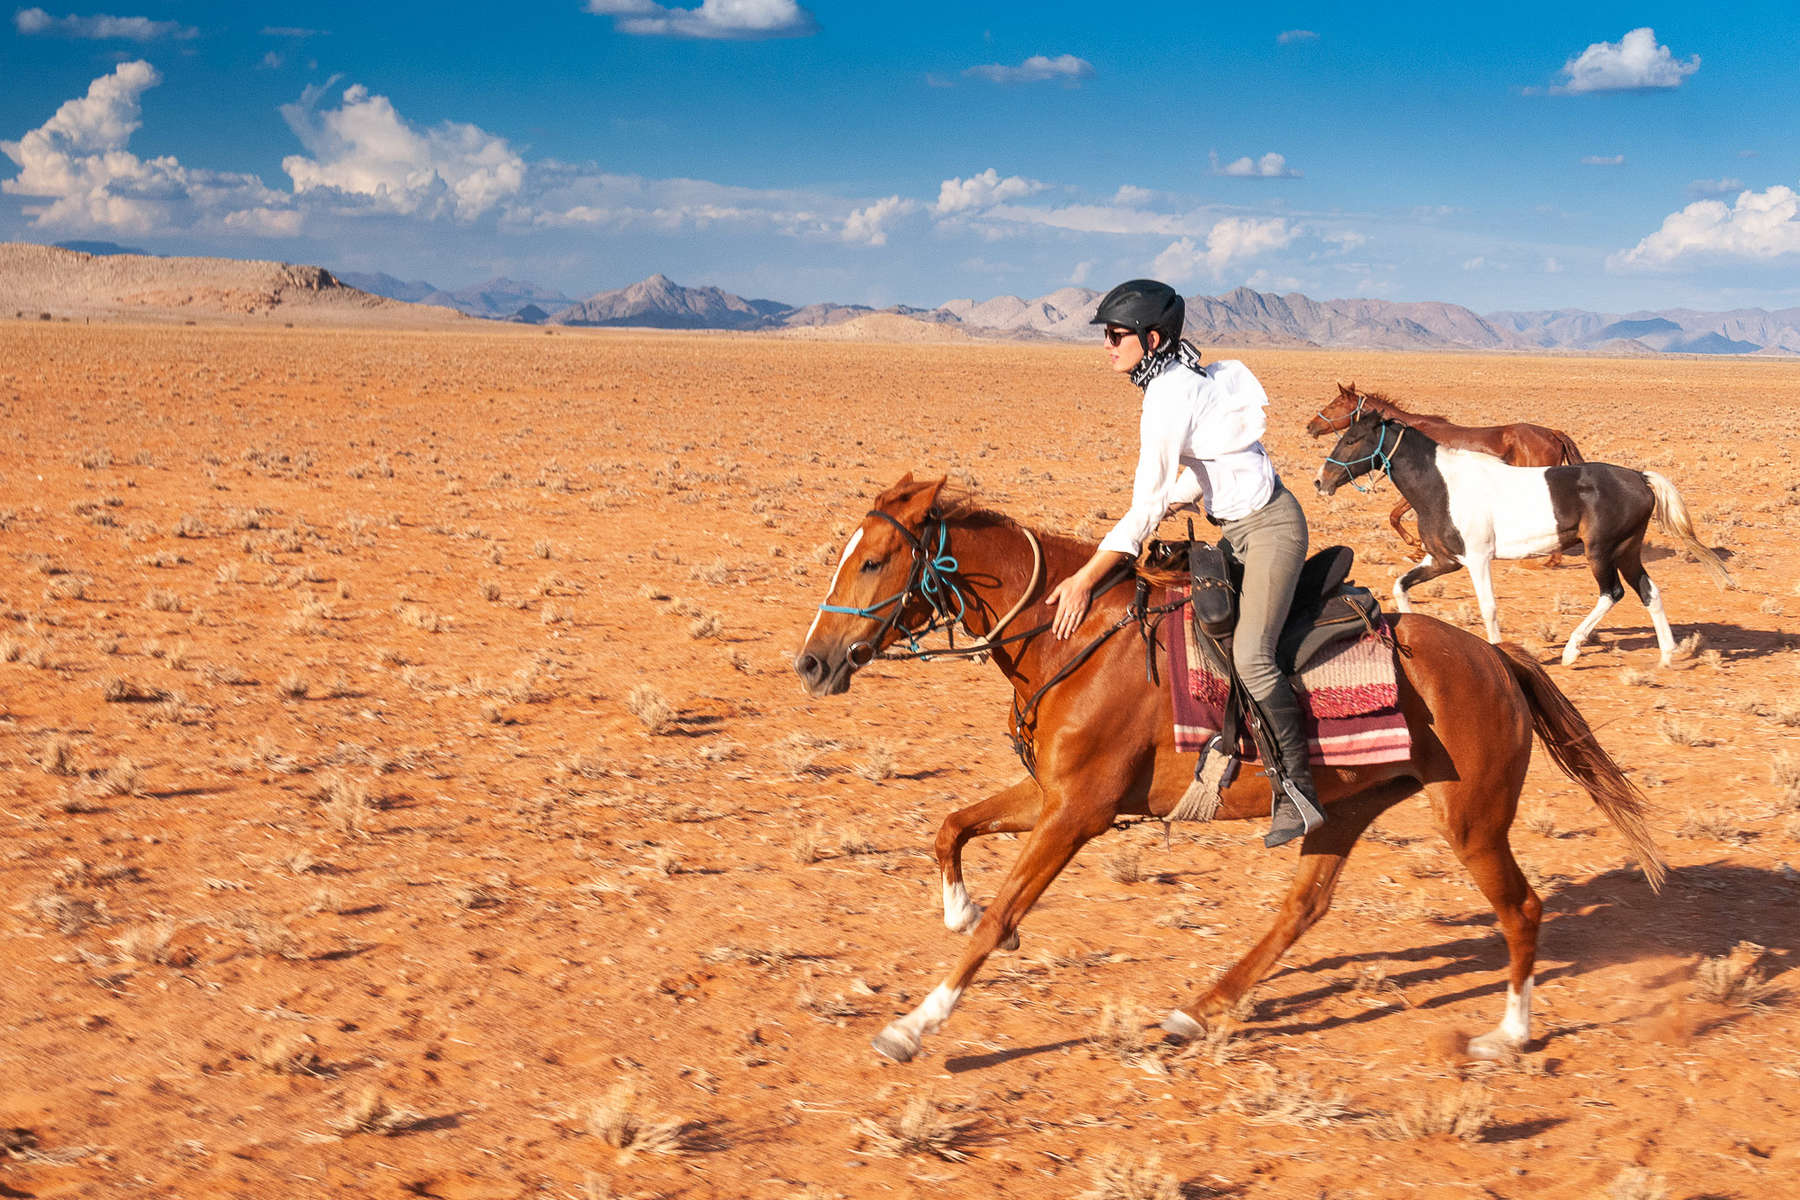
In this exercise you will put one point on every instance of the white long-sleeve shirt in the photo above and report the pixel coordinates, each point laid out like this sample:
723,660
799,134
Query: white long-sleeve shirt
1199,438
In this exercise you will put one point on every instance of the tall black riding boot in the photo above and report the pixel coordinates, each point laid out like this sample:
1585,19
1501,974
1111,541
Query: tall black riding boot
1296,807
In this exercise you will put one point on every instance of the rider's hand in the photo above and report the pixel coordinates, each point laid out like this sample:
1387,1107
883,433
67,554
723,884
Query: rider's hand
1070,598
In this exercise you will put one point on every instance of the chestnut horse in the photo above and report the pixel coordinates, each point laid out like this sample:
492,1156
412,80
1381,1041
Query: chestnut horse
1520,444
1103,743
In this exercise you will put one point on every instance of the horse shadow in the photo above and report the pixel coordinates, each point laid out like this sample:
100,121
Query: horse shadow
1601,922
1733,642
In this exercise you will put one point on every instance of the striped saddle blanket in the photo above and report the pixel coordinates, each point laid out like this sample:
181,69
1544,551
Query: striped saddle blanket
1348,698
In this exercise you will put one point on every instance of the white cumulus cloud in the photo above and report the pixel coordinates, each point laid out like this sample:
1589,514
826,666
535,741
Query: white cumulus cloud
365,148
1757,227
1269,166
1036,69
100,27
1289,37
77,163
982,191
1229,241
1603,160
744,20
1633,63
867,226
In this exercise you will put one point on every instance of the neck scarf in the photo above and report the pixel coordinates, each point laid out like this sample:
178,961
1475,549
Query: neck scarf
1164,357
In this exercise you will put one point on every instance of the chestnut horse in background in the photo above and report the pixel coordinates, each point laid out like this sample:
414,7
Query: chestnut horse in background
1103,741
1519,444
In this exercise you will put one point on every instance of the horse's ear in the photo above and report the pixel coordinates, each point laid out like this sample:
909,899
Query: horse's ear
915,499
909,497
1347,390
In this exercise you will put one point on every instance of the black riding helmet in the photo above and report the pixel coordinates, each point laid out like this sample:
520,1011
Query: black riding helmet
1141,305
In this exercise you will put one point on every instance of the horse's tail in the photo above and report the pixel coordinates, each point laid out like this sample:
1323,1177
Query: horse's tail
1672,515
1570,455
1571,743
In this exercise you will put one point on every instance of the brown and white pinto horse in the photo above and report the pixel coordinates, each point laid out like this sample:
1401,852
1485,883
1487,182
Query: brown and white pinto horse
1104,744
1520,444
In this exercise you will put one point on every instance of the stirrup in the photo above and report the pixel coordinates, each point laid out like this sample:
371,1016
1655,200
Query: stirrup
1283,829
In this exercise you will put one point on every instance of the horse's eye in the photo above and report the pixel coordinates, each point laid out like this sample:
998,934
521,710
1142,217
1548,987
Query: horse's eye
872,565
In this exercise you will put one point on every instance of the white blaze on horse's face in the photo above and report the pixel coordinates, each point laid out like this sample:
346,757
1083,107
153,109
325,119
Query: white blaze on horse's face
849,549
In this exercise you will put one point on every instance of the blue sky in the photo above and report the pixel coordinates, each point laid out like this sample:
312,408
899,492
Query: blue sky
1609,157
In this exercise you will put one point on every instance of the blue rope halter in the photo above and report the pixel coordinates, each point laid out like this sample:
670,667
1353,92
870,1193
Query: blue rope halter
1382,456
928,578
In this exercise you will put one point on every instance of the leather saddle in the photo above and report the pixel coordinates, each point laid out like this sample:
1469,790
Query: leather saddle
1327,607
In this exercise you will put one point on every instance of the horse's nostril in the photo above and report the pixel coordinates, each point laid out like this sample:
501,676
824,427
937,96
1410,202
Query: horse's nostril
808,667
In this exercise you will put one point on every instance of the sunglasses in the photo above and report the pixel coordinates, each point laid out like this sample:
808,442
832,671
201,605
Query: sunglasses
1115,336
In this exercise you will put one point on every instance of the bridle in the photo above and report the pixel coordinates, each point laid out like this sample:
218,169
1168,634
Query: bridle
930,579
1382,457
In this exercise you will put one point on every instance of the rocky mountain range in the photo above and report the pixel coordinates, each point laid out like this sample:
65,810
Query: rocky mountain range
98,276
1239,317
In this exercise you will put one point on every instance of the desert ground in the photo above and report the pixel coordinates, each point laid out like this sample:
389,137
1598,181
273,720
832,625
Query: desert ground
408,794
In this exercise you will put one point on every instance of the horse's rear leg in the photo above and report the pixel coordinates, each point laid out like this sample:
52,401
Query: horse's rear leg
1605,566
1631,566
1476,830
1322,857
1051,845
1013,810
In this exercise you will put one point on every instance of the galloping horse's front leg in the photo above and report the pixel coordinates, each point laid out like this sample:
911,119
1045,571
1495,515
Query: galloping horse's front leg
1322,857
1427,568
1400,510
1052,844
1013,810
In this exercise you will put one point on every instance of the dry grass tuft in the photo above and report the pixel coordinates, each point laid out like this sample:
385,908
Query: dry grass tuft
1735,979
1119,1175
58,757
651,708
920,1128
1119,1029
290,1054
1465,1114
1274,1100
617,1120
371,1112
1681,733
1125,865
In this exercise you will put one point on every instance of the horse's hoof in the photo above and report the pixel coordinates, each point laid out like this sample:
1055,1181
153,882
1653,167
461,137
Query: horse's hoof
1011,942
1493,1047
1178,1024
895,1044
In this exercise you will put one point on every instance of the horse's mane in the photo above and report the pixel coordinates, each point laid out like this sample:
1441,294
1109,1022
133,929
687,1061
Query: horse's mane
963,506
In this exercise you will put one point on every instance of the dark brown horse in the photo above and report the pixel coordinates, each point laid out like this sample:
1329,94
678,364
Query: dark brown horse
1520,444
1104,747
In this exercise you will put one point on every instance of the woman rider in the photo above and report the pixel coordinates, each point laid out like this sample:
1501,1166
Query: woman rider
1199,438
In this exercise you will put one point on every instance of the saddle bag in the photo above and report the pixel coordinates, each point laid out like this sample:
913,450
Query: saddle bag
1215,597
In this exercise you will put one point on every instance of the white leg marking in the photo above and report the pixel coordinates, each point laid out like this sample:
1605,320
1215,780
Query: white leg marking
1588,624
1400,600
902,1038
1183,1026
1665,637
1513,1031
1481,576
832,590
961,914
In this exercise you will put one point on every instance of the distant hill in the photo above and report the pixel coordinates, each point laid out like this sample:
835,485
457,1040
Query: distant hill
49,280
497,299
660,303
